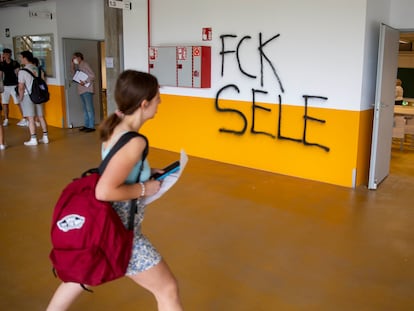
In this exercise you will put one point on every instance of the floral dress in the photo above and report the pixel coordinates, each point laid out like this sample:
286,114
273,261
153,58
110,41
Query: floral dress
144,255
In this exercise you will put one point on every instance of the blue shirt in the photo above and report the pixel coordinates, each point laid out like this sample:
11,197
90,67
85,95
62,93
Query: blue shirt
133,175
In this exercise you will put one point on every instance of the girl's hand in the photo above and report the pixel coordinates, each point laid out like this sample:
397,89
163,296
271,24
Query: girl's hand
152,187
156,170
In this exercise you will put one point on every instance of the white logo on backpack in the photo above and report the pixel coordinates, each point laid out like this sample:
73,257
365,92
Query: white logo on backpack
71,222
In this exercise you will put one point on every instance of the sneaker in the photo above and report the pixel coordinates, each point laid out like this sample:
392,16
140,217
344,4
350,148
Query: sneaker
2,147
6,122
23,122
31,142
44,140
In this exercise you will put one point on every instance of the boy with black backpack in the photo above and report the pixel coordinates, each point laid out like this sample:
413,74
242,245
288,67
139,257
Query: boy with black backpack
30,110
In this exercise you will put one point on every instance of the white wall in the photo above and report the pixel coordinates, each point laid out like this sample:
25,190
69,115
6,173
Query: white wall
71,19
377,13
319,51
402,14
136,36
319,48
18,21
78,19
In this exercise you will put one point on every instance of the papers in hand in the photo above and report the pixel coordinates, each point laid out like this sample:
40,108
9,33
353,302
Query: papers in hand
80,76
170,180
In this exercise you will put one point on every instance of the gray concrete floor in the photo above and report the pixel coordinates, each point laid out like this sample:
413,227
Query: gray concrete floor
236,238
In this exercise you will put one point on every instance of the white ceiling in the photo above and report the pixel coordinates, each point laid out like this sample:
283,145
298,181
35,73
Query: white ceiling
11,3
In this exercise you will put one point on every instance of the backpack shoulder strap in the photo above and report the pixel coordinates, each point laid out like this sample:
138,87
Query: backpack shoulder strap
118,145
27,70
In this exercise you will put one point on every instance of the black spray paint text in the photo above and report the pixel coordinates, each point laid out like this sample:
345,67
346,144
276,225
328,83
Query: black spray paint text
264,59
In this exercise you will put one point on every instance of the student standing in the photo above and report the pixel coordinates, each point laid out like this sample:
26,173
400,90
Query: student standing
399,92
30,110
137,97
85,90
10,68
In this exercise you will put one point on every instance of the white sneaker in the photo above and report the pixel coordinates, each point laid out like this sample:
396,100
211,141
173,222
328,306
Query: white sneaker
2,147
31,142
6,122
44,139
23,122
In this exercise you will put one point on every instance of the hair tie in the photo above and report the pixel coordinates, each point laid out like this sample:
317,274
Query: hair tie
119,114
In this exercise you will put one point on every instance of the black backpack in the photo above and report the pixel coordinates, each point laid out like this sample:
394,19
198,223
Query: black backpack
40,92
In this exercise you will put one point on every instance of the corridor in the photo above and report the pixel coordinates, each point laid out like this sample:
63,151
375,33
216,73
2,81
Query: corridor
237,239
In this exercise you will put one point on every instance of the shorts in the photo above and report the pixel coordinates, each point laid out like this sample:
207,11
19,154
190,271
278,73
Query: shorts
29,109
144,255
9,90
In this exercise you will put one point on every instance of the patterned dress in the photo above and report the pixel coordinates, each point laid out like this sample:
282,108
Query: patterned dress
144,255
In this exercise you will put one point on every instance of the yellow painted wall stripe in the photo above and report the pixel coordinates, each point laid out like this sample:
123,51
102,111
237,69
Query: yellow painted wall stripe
193,124
54,109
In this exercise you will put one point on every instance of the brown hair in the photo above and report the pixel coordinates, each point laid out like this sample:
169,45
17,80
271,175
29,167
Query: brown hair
78,54
131,89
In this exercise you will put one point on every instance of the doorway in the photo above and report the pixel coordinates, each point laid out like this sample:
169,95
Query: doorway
91,50
404,148
389,60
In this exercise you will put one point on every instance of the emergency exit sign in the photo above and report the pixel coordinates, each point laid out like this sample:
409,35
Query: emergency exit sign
119,4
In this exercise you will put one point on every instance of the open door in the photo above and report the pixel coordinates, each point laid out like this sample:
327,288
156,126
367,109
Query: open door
384,106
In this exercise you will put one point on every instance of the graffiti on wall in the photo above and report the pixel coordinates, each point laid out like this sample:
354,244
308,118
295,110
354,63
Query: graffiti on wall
264,60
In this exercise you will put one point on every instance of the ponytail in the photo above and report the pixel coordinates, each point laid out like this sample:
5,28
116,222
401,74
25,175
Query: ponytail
107,126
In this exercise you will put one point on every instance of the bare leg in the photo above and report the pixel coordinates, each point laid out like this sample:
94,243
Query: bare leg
6,110
32,126
1,132
64,296
43,123
162,284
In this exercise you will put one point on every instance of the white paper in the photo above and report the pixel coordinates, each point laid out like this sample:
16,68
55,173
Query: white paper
81,76
109,62
170,180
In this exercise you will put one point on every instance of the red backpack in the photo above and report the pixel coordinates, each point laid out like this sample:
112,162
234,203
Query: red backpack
91,245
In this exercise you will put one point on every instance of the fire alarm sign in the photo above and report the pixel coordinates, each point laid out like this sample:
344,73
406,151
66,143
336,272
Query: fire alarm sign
207,34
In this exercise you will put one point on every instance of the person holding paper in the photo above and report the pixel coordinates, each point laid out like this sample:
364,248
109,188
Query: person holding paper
84,76
137,97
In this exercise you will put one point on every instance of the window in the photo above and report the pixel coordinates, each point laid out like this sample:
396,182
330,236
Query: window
41,46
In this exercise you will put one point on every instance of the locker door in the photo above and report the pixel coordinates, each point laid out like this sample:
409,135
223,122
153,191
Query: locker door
163,65
184,66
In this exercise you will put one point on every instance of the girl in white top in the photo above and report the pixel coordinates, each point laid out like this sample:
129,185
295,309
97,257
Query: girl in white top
399,92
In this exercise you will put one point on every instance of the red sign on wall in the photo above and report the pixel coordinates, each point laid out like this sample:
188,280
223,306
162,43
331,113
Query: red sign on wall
196,51
207,34
153,53
181,53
